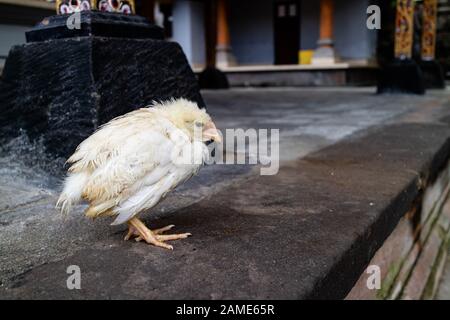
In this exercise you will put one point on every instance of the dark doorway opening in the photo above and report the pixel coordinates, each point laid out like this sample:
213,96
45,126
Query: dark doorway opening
286,31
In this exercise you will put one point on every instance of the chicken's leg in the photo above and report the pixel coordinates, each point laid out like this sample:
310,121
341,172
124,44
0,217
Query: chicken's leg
137,228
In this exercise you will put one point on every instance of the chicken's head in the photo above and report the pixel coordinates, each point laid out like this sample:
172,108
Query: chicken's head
192,120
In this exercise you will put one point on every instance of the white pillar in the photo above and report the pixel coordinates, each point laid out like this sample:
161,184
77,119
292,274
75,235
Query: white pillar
188,30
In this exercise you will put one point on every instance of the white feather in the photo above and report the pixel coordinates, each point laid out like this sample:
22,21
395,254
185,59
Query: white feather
73,189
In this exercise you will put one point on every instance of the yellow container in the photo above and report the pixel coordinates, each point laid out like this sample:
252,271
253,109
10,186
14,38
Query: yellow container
305,56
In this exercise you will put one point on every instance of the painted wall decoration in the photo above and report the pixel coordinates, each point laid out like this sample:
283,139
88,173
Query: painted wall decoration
71,6
429,29
404,29
121,6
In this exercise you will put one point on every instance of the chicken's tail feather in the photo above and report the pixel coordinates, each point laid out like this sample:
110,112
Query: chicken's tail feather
64,204
72,192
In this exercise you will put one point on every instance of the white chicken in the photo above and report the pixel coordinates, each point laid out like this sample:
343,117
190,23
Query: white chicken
132,162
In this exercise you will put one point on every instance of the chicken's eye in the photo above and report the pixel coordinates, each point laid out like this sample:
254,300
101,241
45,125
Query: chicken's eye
199,124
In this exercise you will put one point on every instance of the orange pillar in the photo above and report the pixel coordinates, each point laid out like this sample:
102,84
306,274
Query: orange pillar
223,33
224,55
324,53
326,20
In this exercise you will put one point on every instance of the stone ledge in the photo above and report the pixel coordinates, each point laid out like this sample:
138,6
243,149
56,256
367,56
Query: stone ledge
411,259
320,77
308,232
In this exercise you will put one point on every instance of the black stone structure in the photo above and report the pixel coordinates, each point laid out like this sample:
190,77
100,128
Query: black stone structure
401,76
213,78
433,74
94,23
59,87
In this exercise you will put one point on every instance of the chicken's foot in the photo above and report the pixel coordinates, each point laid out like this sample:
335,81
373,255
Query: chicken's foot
137,228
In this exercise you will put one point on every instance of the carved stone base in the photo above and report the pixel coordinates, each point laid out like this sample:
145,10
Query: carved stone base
94,23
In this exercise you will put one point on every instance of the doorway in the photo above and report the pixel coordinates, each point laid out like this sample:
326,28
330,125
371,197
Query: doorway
286,31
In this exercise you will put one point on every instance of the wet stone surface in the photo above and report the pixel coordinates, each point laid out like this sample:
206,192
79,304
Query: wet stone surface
350,162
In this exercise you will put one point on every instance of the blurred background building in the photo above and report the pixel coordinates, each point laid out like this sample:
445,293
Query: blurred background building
256,35
16,17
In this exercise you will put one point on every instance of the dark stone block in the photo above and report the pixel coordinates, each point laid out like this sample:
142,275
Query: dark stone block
433,74
95,23
62,90
401,76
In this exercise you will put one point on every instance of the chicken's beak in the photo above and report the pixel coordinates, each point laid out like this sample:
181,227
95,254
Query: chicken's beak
210,132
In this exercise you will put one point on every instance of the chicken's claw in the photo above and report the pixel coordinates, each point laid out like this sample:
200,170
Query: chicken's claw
155,237
164,229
